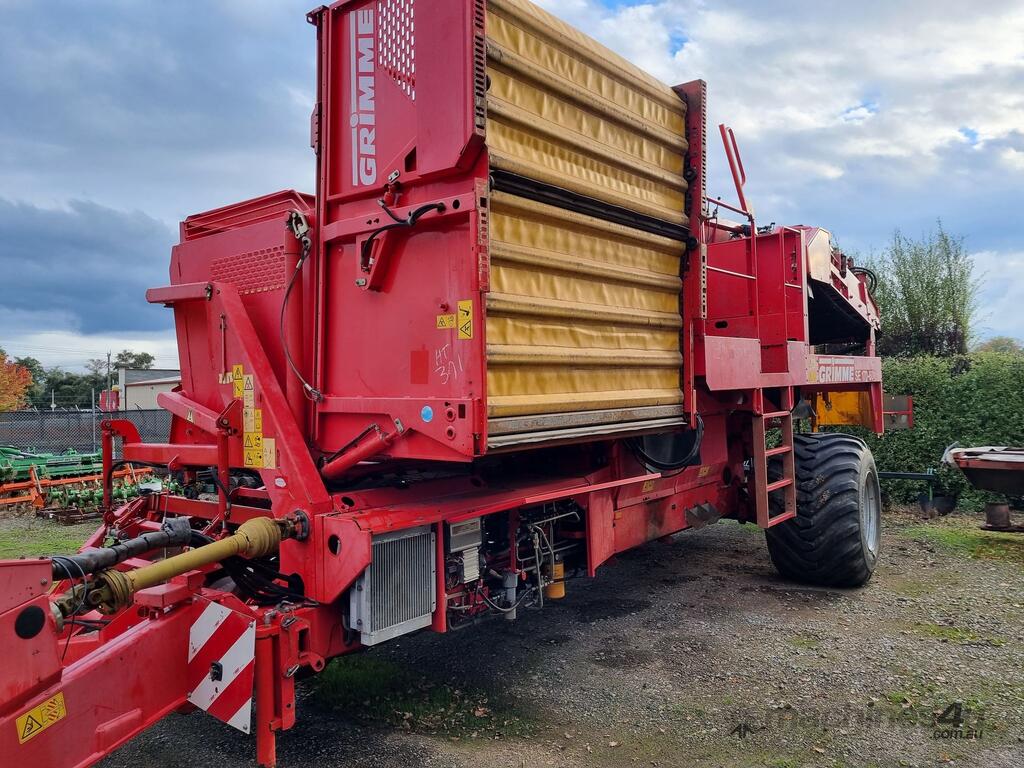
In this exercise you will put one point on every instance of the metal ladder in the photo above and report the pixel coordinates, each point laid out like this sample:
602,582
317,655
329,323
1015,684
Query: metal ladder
787,483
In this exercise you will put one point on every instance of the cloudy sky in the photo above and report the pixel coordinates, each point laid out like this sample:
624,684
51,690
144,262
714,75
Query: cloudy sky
121,118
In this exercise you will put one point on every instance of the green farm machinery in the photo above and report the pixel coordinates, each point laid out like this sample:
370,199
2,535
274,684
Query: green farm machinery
67,486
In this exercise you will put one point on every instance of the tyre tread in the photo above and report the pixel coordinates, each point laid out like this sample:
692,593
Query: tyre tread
822,544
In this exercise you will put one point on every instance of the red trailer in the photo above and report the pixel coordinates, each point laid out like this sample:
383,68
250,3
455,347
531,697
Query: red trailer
508,338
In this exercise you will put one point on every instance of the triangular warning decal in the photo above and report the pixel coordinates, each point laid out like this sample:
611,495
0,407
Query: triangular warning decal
31,726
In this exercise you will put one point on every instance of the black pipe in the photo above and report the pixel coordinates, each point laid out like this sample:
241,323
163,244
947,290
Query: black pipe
176,532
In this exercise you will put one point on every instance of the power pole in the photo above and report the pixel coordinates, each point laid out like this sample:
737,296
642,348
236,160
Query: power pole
108,373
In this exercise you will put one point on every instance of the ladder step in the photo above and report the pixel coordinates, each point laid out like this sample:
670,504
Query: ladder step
780,518
776,451
775,414
779,484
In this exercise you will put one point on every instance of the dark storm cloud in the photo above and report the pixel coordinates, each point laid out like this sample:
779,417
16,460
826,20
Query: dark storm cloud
139,114
167,107
89,264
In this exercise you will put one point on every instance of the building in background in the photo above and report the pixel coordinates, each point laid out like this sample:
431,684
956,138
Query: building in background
139,387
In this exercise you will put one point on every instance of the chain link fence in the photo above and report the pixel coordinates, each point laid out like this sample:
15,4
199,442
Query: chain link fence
59,431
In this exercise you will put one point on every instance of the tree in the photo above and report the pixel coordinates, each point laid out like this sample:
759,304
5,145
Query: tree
1003,344
96,366
14,383
70,390
927,295
35,369
128,359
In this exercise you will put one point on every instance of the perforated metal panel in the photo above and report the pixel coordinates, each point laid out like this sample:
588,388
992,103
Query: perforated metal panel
397,23
252,271
396,593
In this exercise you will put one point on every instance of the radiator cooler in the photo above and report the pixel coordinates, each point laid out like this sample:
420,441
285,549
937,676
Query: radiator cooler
397,592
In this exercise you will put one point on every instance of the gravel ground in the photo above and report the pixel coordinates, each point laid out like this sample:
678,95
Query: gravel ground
692,652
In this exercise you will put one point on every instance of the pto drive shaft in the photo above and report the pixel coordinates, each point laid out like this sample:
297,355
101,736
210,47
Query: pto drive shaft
112,590
175,532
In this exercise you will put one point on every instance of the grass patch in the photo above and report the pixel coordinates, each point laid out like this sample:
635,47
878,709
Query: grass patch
946,633
804,641
956,635
961,536
33,537
751,528
377,690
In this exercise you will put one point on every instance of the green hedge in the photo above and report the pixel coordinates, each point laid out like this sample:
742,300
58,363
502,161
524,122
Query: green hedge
973,399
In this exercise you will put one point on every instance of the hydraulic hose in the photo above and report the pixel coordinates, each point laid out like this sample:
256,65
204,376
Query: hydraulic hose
175,532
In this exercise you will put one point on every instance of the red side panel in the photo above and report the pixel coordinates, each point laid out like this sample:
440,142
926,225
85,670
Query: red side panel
398,106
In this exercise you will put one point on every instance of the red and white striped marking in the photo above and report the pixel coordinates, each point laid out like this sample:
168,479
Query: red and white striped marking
228,637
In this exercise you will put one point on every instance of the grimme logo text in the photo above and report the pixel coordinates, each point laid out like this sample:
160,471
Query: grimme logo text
363,114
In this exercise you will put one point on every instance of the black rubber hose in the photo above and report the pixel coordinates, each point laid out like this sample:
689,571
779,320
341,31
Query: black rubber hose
174,533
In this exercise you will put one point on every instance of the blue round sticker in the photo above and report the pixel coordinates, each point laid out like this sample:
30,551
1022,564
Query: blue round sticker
427,414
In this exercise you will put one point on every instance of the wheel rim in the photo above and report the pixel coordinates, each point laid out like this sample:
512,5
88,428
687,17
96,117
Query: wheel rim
870,513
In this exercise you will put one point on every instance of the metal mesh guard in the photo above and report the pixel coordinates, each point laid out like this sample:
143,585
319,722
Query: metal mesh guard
396,593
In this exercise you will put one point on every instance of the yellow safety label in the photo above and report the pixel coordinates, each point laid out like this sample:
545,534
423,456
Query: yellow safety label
249,419
39,718
253,440
269,453
248,391
704,470
237,374
465,319
257,420
648,486
253,457
446,321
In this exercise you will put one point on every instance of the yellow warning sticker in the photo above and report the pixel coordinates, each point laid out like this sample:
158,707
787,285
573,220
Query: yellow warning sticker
446,321
190,415
237,374
648,486
38,719
249,419
269,453
257,420
253,440
465,319
248,391
253,457
704,470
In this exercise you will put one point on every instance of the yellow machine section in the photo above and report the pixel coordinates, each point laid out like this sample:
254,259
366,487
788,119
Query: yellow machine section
566,111
583,314
842,409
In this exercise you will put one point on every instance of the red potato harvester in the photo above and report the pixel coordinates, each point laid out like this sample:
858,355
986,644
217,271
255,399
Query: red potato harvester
508,338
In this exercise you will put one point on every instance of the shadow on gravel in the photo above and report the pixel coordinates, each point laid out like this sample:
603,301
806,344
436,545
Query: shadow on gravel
609,608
